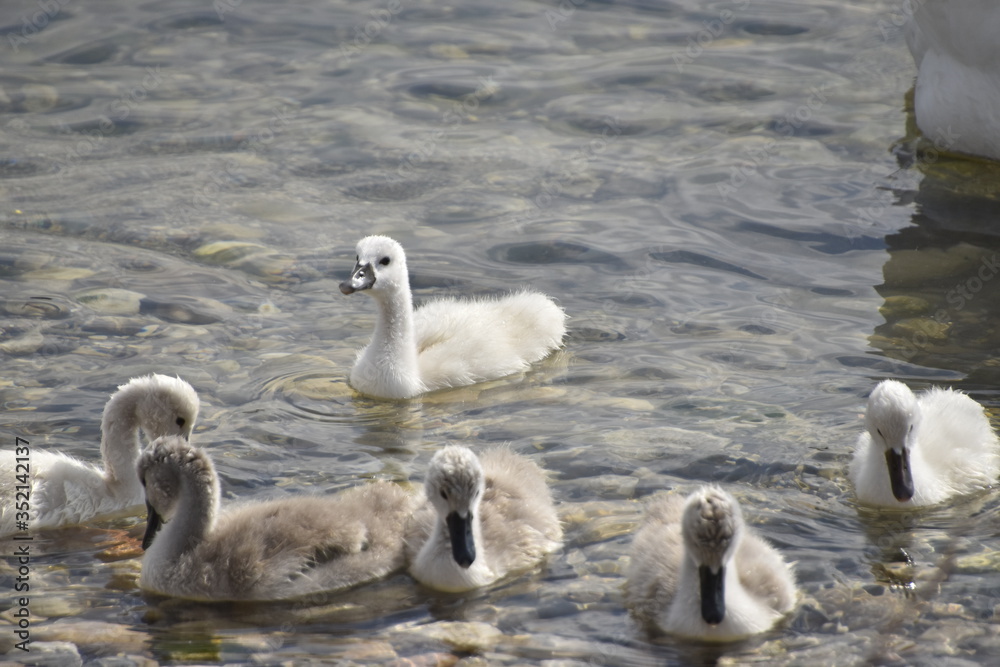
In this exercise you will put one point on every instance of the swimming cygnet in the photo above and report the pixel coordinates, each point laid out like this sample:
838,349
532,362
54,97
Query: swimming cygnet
697,570
483,518
272,550
447,342
922,449
65,491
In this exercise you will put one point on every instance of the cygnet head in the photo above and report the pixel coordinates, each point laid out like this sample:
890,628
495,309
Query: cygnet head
711,528
172,469
380,267
455,484
163,405
892,419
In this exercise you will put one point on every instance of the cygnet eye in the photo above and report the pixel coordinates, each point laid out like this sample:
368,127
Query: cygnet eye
181,421
384,261
444,495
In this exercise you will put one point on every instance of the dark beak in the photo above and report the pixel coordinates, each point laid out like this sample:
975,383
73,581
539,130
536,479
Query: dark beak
899,474
463,547
153,523
713,594
362,277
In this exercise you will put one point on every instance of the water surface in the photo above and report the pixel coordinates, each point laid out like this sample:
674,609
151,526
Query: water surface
726,197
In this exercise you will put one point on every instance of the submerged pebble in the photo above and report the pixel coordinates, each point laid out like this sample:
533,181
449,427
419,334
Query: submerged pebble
921,329
470,637
52,606
112,300
902,306
27,343
92,635
987,562
47,654
252,258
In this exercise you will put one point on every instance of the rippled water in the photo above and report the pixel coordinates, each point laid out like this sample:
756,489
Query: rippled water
724,196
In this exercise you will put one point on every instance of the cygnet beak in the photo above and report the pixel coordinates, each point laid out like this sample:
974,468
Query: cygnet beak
713,594
363,277
153,523
899,473
463,547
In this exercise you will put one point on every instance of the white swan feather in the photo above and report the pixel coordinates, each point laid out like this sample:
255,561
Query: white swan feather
957,94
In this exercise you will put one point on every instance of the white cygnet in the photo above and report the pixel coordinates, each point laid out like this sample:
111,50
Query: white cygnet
65,491
447,342
922,449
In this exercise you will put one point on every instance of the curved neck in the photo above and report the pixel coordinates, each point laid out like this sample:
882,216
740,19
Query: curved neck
193,518
120,442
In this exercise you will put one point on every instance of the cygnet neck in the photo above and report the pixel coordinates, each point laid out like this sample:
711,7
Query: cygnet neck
193,517
394,337
120,442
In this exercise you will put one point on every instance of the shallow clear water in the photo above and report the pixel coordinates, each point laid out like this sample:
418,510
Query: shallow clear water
724,196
